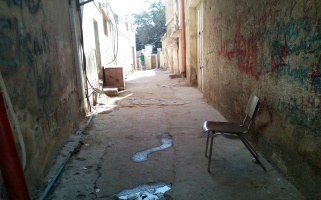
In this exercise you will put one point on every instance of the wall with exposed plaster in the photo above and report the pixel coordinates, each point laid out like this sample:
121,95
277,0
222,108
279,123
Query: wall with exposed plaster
272,49
37,63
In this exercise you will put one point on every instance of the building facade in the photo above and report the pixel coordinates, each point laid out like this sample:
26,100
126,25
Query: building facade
271,49
51,58
37,66
172,38
109,41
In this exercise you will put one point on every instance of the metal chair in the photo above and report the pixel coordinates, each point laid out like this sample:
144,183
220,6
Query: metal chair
213,128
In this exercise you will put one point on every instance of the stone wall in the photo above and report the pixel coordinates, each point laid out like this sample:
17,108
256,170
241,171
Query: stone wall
270,48
36,61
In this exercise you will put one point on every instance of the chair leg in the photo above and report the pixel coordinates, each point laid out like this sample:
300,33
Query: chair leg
210,156
251,150
248,146
207,140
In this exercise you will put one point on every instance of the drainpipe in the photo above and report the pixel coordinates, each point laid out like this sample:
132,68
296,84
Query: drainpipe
54,179
10,164
15,121
183,38
80,81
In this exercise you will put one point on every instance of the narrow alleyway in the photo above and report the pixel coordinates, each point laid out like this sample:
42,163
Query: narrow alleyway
154,110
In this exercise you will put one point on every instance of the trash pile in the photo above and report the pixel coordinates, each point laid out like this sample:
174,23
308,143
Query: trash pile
152,191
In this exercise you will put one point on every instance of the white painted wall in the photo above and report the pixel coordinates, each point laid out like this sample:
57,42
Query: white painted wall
114,44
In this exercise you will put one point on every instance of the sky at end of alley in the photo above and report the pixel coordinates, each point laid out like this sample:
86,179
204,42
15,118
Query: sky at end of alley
128,7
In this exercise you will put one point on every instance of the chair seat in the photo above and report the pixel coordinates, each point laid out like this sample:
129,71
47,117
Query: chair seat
225,127
212,128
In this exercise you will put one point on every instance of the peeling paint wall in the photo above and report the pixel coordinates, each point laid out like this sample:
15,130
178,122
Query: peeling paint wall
273,49
36,60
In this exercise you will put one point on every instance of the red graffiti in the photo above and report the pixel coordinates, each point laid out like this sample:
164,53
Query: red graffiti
279,60
247,52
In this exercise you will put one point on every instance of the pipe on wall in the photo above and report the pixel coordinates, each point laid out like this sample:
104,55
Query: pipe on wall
15,121
49,186
183,37
10,164
80,80
54,179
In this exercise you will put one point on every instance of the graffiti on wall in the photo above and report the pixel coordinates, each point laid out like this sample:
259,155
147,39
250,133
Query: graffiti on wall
8,43
278,42
31,63
284,38
15,48
295,113
14,2
294,46
21,47
283,42
293,109
26,50
32,5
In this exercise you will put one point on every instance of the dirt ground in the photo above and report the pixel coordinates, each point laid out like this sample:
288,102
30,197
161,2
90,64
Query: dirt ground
154,105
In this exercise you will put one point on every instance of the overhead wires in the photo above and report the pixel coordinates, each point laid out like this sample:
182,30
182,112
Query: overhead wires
116,33
84,63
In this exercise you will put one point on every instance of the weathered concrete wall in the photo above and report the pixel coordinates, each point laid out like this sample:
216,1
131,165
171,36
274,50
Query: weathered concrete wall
161,58
36,60
148,60
109,40
270,48
171,40
191,42
126,56
93,33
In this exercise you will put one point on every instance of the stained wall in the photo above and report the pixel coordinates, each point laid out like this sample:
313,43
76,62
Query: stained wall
37,63
171,41
272,49
109,41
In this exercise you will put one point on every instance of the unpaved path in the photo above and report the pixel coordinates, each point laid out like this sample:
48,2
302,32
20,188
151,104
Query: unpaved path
154,104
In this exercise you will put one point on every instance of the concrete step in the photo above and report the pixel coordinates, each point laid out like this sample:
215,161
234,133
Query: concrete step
111,91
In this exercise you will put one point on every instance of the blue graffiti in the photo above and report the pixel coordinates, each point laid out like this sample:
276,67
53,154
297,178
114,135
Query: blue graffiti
296,114
293,36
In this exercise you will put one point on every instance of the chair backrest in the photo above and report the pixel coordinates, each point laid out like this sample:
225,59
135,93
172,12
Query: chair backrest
250,110
251,105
